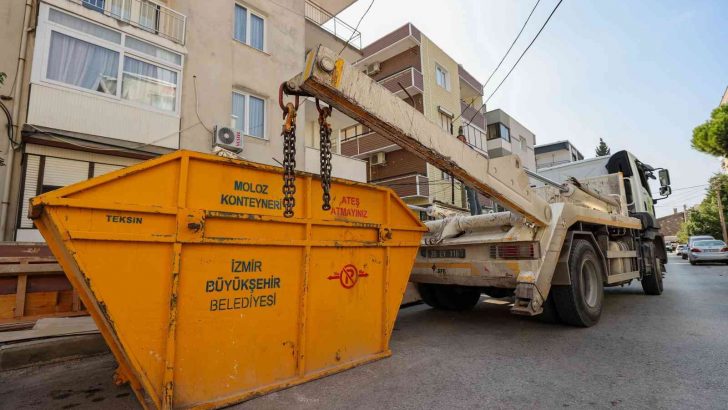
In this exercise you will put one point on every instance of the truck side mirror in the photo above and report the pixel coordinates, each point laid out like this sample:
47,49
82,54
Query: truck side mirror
664,176
665,190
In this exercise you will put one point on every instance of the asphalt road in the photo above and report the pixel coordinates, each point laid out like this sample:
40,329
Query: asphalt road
668,351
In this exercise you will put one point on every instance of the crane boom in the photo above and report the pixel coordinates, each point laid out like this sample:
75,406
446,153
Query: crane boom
336,82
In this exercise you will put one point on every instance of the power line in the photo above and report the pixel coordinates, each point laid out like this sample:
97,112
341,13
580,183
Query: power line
519,59
512,44
502,59
356,28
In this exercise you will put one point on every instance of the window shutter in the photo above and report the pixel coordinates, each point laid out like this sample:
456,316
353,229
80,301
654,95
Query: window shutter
60,172
29,189
101,169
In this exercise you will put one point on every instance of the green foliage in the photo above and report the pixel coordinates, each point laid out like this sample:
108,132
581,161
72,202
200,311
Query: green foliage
2,78
704,219
711,137
602,149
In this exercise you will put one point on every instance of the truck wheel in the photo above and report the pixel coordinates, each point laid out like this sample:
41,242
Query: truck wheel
652,284
580,303
449,297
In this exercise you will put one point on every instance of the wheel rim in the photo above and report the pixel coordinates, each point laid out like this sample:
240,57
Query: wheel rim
589,284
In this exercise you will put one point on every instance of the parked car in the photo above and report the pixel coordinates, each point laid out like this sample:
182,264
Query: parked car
670,247
711,250
680,250
691,240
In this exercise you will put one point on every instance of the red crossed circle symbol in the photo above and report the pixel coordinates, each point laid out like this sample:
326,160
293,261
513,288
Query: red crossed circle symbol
349,276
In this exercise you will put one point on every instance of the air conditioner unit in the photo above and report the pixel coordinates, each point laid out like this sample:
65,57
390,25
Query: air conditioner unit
228,138
373,69
378,159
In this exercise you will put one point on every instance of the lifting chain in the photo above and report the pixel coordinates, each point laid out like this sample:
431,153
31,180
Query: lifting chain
325,151
289,154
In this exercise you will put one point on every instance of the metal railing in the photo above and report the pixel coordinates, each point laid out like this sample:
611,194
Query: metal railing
406,186
409,77
552,163
332,24
144,14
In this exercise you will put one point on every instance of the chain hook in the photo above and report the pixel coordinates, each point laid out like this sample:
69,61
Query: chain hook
325,153
289,153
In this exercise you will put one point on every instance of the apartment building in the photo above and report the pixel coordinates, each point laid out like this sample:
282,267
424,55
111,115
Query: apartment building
507,136
413,67
96,85
556,153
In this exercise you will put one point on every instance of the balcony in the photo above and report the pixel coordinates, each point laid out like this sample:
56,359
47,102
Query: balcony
341,166
472,112
408,186
410,79
392,44
332,24
469,86
144,14
364,145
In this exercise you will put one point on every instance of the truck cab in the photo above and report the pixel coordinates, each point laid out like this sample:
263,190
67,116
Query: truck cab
635,175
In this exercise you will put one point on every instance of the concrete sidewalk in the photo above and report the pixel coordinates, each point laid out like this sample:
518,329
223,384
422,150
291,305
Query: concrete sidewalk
50,340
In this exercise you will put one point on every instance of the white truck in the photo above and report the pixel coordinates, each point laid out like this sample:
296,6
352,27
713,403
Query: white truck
567,234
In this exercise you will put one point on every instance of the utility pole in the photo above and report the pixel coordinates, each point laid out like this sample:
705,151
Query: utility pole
721,215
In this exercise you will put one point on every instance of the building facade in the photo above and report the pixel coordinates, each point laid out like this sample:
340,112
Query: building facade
506,136
413,67
670,225
556,153
96,85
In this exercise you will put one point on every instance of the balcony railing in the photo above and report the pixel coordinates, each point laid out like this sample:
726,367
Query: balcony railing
472,112
408,186
409,78
332,24
144,14
550,164
363,145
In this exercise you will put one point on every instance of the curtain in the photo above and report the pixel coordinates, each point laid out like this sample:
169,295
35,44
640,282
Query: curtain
148,84
241,23
121,9
237,119
256,32
257,117
82,64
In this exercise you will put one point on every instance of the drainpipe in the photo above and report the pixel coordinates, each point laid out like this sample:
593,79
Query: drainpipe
19,74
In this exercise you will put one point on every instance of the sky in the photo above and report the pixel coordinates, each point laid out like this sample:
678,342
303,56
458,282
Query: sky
641,75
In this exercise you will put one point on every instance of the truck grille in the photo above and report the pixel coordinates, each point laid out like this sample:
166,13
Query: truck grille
515,250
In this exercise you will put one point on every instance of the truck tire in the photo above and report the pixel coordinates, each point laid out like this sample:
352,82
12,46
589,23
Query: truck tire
580,303
652,283
449,297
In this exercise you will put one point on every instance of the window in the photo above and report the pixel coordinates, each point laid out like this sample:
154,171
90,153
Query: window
249,28
93,58
446,122
353,131
149,84
82,64
121,9
475,136
523,143
442,77
445,176
498,130
248,114
97,5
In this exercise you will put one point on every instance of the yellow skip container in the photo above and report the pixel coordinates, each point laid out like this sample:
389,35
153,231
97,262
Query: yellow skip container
207,296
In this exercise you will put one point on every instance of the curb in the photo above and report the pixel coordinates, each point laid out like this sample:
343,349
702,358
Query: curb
44,351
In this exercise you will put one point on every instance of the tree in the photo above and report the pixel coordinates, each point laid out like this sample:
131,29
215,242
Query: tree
703,219
602,149
711,137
